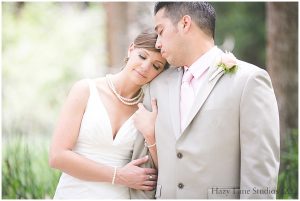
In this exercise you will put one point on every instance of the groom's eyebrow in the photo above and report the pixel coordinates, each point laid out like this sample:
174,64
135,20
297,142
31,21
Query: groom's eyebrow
156,27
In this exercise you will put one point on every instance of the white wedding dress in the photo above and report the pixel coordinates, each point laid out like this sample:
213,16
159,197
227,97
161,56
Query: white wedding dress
96,143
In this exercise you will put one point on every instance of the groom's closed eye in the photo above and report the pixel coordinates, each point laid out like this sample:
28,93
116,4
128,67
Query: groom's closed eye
161,32
158,29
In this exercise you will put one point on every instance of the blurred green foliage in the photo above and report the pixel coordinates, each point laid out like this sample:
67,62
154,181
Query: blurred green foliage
245,23
25,170
288,176
46,47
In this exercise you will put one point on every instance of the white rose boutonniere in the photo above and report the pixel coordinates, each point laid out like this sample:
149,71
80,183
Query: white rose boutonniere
228,63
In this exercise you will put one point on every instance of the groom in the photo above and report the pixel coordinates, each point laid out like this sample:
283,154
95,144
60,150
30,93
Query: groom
217,129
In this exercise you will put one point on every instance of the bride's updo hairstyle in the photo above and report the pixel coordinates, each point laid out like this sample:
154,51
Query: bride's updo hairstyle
147,40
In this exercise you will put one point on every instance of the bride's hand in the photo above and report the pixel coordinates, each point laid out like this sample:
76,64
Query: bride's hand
133,176
144,120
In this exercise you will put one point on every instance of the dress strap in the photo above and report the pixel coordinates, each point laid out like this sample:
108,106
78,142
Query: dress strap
92,86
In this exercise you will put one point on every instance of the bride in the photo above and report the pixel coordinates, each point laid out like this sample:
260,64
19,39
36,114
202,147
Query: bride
93,141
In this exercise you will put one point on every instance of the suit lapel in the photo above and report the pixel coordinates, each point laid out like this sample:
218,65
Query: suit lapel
210,81
174,84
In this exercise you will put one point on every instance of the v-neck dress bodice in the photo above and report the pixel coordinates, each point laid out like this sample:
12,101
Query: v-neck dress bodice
95,142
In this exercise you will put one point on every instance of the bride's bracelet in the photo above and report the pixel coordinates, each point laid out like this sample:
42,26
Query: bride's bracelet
114,176
149,146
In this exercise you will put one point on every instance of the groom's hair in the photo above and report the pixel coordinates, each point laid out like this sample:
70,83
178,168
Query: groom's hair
202,13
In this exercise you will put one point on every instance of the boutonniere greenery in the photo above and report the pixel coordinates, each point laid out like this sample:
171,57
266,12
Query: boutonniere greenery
228,63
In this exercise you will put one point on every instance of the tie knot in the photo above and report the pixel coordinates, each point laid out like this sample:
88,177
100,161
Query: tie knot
187,77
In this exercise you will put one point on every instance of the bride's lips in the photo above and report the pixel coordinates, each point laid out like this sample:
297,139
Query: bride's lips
141,74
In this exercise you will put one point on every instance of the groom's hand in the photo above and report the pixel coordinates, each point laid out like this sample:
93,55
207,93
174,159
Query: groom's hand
133,176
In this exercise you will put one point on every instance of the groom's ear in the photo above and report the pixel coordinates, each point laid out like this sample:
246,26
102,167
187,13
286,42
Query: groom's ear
185,23
130,48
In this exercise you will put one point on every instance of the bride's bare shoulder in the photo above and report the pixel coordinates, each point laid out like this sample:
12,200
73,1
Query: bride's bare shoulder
100,82
80,89
81,85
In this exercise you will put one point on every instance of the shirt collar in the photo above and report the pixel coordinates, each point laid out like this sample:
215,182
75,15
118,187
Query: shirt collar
202,63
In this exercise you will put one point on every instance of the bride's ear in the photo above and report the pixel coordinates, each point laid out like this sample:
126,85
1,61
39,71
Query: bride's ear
130,49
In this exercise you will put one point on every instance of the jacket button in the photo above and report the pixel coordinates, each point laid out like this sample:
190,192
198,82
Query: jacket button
179,155
180,185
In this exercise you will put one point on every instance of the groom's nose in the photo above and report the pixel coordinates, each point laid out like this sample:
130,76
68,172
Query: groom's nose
158,43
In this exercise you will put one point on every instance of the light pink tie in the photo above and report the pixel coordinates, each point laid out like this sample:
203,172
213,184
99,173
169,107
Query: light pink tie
187,97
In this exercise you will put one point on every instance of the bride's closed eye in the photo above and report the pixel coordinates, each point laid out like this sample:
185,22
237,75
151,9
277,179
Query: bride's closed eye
142,56
156,67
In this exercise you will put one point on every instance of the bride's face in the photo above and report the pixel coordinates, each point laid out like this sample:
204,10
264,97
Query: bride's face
144,65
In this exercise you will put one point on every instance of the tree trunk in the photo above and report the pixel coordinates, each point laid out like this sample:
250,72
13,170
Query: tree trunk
116,32
125,20
282,61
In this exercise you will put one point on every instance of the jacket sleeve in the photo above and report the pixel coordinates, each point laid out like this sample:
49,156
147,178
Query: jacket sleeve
139,151
259,138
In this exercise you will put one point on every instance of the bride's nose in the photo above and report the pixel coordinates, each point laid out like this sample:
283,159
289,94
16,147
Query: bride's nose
146,66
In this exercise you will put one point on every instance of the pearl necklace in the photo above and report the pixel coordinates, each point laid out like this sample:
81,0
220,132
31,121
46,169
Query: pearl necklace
127,101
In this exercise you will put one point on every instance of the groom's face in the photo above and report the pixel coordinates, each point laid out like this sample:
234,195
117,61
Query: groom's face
169,39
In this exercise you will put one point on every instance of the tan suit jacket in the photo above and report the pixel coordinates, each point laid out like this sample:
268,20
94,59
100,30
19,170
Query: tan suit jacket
230,148
139,151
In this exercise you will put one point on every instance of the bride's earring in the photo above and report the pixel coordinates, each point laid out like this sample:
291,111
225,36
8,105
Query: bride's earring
126,59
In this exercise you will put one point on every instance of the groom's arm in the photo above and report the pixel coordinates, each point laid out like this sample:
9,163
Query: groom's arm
147,96
259,137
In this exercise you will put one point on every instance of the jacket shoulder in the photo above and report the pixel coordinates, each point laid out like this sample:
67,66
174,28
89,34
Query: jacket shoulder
248,68
172,71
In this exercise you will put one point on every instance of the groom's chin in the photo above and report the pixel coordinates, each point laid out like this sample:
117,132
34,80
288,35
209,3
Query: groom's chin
175,64
172,66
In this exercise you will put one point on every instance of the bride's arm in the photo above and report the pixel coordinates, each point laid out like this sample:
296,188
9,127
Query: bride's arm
144,121
64,139
151,143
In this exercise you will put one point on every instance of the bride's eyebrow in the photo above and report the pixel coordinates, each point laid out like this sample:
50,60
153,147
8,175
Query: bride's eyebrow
159,62
145,52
